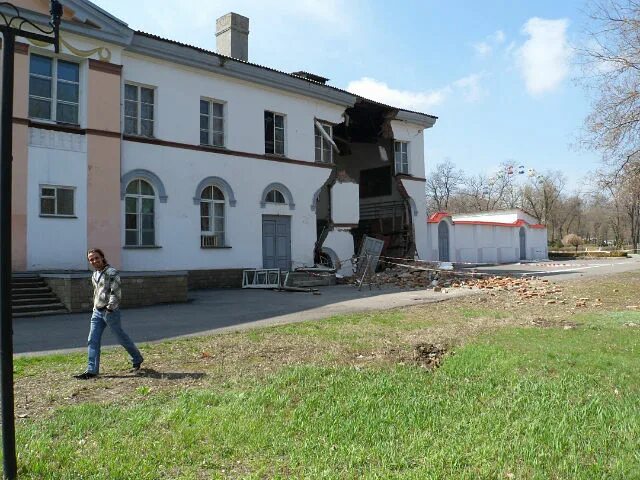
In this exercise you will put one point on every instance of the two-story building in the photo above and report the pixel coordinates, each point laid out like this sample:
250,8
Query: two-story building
171,157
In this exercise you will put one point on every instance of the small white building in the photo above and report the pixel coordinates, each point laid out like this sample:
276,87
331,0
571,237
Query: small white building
488,237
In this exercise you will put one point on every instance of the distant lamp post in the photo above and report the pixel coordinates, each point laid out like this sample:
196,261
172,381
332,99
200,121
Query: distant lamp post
12,25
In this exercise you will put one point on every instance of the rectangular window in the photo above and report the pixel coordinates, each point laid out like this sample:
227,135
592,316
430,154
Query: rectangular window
139,221
57,201
211,224
211,123
401,155
273,133
54,89
138,110
324,150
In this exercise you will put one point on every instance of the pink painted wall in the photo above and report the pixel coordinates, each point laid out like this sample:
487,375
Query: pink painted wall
20,164
103,158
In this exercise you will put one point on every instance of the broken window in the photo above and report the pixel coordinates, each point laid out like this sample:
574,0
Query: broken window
375,182
324,149
401,154
273,133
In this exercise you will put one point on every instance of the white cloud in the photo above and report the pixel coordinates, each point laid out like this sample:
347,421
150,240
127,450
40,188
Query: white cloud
544,58
485,47
471,88
498,36
468,87
381,92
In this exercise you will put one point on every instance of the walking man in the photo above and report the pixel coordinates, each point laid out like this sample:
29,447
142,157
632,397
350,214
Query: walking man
106,311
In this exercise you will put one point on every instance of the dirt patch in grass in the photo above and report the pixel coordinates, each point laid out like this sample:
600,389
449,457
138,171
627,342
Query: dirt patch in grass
546,323
418,335
429,355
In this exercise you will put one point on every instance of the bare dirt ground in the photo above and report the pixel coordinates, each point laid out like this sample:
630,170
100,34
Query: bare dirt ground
419,335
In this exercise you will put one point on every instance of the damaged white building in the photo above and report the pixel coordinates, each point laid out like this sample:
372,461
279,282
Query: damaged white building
170,157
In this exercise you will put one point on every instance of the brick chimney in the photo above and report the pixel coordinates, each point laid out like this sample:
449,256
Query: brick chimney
232,36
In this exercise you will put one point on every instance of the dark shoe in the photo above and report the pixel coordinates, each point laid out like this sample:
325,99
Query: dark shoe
86,376
136,367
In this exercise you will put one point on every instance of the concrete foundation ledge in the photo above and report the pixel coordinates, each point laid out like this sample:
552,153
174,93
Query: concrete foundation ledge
139,289
215,278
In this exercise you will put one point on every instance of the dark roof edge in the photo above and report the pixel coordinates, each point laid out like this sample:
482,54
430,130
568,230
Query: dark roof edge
188,55
196,57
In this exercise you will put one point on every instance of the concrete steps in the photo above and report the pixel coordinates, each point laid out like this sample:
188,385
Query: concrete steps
30,297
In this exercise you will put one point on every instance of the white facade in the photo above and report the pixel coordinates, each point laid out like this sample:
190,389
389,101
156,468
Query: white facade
490,237
56,159
178,219
178,90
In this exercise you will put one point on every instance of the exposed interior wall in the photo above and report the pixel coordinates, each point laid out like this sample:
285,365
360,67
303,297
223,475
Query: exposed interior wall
345,203
418,211
389,206
340,241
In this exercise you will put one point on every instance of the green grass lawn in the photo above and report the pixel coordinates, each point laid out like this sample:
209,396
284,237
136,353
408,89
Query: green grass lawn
511,402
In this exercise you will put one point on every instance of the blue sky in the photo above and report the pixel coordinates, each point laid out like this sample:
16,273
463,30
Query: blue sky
498,74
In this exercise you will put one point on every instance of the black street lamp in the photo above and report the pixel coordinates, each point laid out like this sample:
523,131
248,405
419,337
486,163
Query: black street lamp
12,25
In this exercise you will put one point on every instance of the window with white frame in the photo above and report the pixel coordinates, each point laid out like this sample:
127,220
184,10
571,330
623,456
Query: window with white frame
54,89
273,133
274,196
324,150
138,110
401,155
57,201
139,214
211,217
211,123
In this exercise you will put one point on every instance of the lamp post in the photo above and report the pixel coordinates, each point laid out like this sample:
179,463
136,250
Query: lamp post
12,25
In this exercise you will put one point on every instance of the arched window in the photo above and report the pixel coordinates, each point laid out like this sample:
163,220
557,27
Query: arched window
212,217
139,214
275,196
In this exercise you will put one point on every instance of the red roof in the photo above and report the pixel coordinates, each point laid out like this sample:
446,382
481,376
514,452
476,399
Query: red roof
438,216
517,223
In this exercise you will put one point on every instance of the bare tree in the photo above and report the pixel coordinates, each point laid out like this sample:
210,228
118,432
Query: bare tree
572,239
441,184
629,193
611,70
540,196
609,182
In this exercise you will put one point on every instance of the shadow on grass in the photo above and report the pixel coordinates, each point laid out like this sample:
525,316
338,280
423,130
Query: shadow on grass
152,373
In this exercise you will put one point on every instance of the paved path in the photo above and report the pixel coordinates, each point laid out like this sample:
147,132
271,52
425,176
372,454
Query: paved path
211,311
561,270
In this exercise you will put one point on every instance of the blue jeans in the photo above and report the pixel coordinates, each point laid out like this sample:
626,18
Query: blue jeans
99,321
